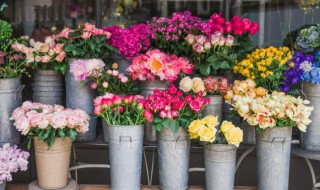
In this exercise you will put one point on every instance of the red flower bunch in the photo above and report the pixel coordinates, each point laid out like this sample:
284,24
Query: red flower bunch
170,109
216,86
117,110
236,25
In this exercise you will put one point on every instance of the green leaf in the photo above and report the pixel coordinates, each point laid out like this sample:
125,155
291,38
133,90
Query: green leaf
224,65
130,121
157,126
72,134
157,120
62,134
205,69
212,59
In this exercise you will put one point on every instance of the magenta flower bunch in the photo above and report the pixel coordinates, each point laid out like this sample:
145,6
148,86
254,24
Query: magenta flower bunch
12,160
130,41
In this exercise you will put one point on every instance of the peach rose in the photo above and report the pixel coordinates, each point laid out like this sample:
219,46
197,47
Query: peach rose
45,59
89,27
61,56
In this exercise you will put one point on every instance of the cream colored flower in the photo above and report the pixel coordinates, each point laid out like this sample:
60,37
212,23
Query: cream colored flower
186,84
234,136
207,134
226,126
198,85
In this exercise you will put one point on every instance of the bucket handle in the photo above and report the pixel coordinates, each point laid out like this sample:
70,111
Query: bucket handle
125,138
19,93
277,139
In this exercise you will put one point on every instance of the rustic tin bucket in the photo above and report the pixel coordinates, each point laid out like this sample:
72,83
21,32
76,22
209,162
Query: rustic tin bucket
249,133
173,158
150,134
53,163
125,154
78,96
123,63
310,140
48,87
215,107
220,166
10,99
273,158
105,131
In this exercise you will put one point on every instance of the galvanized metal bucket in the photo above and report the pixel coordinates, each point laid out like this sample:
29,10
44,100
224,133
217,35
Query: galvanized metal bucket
310,140
226,115
48,87
123,63
150,134
220,166
215,107
273,158
173,158
125,154
81,97
105,131
3,185
10,99
249,133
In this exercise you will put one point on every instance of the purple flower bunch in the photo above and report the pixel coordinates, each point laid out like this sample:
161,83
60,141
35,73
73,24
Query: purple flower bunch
12,159
130,41
313,74
179,24
297,66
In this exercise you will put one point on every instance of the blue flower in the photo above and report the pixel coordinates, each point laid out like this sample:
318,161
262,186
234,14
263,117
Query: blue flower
317,55
315,64
306,77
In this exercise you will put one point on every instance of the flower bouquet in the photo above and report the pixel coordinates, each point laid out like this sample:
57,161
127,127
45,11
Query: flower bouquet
308,39
171,113
52,129
266,67
156,64
124,116
112,81
12,160
220,152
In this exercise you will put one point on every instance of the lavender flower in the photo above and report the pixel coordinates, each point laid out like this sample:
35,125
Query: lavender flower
306,66
12,159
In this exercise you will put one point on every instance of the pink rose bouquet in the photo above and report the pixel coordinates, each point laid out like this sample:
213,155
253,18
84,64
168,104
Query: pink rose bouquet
212,53
130,41
84,69
48,122
85,42
170,109
112,81
208,86
46,55
158,64
117,110
12,159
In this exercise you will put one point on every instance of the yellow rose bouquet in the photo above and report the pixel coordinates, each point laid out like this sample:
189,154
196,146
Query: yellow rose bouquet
265,66
205,130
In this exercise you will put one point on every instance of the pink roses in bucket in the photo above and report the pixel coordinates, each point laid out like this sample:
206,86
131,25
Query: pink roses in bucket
48,122
170,109
158,64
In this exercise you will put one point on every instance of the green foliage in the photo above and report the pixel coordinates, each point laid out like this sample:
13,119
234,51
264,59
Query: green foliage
5,34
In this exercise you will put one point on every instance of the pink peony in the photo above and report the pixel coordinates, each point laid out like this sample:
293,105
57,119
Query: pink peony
59,120
148,115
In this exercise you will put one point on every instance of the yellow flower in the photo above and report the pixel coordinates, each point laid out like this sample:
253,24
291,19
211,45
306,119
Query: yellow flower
292,64
226,126
211,120
194,128
198,85
207,134
234,136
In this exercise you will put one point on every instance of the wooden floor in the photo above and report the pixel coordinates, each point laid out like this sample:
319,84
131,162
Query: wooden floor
107,187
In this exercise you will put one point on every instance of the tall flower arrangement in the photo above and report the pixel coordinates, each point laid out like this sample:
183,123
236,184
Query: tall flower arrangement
156,64
130,41
48,122
170,109
12,159
85,42
265,66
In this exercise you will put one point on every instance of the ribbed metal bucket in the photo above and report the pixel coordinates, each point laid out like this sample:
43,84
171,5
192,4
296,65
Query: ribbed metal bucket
173,158
220,166
249,133
105,131
3,185
215,107
273,158
123,63
125,154
310,140
52,163
10,99
81,97
48,87
150,134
